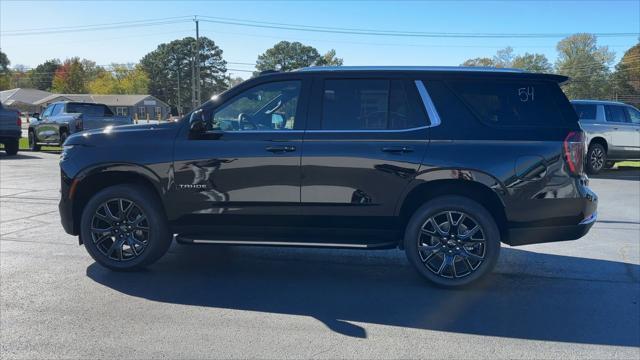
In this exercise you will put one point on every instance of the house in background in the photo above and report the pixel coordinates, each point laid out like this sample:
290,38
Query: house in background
23,99
141,107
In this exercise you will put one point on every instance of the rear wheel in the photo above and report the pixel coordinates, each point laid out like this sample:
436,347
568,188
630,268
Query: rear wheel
452,241
596,158
11,146
32,141
123,228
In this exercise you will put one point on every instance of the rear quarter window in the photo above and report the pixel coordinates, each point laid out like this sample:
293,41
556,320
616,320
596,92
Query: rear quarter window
586,111
517,103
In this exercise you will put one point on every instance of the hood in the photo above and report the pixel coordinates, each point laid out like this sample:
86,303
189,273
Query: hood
121,133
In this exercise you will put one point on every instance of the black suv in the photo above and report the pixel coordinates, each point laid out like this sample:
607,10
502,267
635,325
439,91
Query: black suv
444,163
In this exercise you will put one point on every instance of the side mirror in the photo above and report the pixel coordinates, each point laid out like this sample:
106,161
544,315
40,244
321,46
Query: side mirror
36,116
197,124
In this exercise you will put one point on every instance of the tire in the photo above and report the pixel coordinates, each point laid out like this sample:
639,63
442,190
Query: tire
471,257
63,137
596,158
32,141
122,246
11,146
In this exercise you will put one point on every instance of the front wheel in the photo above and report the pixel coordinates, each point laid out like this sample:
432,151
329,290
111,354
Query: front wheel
123,227
33,142
452,241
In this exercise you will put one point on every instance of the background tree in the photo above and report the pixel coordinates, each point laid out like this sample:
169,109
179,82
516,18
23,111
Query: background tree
173,61
42,75
20,77
4,71
532,62
70,78
626,78
504,57
287,56
479,62
122,79
580,58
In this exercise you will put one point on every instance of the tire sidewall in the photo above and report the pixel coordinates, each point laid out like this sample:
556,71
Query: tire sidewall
32,141
159,238
590,168
453,203
11,147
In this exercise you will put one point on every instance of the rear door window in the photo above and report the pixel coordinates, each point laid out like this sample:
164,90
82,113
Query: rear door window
634,115
514,103
367,104
615,113
586,111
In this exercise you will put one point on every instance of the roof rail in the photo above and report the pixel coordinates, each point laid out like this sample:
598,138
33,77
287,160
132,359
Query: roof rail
265,72
410,68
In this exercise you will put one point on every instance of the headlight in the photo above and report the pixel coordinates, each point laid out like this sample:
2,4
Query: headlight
66,151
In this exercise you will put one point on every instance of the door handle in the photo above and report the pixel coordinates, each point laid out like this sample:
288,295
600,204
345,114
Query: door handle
397,149
280,149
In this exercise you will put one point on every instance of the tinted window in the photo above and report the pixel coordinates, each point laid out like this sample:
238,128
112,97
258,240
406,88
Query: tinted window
47,111
513,103
634,115
586,111
366,105
615,113
57,109
266,107
87,109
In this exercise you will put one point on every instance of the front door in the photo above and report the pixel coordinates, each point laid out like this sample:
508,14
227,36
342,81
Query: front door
247,163
365,144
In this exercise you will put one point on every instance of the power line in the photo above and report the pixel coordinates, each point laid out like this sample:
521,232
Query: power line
392,33
292,27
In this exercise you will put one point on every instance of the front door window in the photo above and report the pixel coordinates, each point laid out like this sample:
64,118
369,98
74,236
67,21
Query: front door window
267,107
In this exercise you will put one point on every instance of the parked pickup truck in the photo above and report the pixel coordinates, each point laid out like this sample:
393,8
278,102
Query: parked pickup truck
10,129
61,119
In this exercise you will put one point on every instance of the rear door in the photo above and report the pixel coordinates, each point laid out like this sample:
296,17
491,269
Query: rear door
624,136
634,120
364,144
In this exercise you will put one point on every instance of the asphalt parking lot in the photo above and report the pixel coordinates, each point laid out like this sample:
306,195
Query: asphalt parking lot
577,299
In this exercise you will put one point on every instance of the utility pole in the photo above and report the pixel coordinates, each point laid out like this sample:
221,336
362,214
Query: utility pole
193,82
179,100
198,79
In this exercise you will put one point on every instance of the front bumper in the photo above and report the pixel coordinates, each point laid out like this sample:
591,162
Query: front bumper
65,207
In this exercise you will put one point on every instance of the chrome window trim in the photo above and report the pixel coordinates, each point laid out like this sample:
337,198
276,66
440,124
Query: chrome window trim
434,118
369,131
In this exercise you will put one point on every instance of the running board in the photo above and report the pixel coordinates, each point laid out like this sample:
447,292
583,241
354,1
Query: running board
189,240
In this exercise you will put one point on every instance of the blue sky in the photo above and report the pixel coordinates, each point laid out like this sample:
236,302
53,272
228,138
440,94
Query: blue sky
244,44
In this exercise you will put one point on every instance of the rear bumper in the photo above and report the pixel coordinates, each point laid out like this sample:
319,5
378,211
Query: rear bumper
558,231
536,235
10,134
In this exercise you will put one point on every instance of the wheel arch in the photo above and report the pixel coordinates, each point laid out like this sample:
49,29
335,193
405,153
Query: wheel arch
90,181
600,140
480,187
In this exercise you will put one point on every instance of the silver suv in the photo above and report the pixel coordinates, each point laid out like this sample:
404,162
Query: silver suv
612,130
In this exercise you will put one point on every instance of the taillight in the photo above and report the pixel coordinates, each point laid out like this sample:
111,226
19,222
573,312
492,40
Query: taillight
574,152
19,122
79,124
